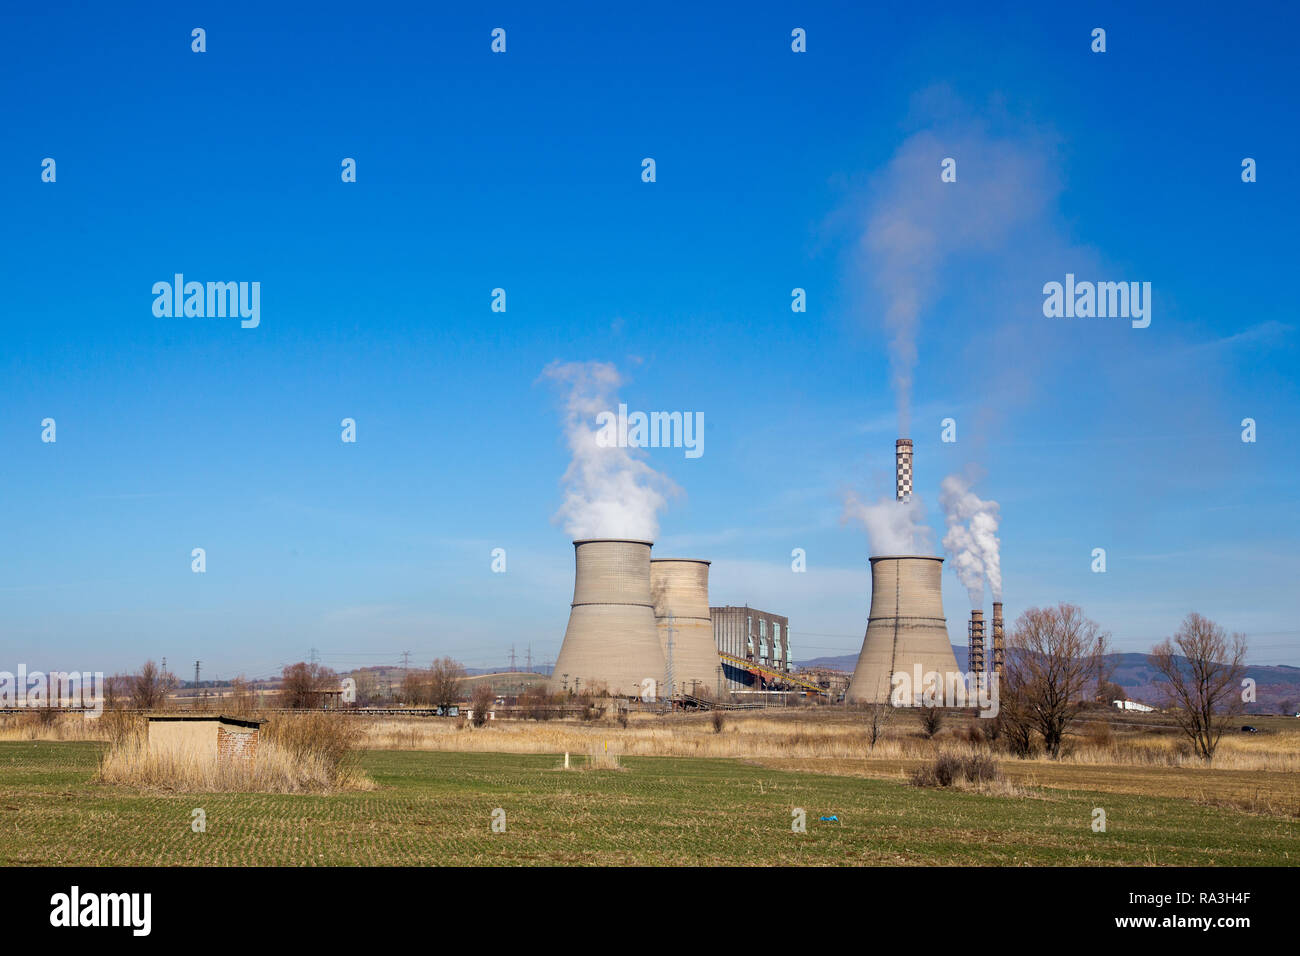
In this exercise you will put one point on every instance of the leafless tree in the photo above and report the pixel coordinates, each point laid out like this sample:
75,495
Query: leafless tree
148,688
1108,692
1014,721
445,682
878,716
1201,669
302,683
415,686
481,702
1054,656
243,699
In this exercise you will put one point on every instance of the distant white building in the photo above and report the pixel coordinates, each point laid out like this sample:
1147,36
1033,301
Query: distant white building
1131,705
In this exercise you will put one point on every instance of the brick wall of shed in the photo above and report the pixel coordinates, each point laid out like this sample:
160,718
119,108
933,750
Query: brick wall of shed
236,745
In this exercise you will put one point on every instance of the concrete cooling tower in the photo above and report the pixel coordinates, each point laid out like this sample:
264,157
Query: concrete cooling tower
611,641
906,627
681,588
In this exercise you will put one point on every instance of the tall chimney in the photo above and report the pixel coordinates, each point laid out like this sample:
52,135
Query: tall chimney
977,642
903,458
999,642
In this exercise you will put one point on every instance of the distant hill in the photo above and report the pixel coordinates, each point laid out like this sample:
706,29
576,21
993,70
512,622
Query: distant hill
1277,688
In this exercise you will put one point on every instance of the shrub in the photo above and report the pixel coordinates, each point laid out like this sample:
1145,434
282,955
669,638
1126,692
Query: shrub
931,721
481,702
949,770
719,721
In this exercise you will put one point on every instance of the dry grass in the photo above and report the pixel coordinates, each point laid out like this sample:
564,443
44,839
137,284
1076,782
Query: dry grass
311,753
839,735
600,757
1097,746
53,725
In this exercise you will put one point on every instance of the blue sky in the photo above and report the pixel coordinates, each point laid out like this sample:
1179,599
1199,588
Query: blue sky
522,171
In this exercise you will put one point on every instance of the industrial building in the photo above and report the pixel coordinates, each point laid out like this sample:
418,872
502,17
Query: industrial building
757,636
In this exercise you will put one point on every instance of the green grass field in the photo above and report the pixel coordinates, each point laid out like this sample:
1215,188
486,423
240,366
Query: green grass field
435,809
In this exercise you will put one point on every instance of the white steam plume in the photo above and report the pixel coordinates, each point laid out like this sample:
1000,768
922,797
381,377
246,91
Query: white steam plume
916,225
608,491
972,538
893,527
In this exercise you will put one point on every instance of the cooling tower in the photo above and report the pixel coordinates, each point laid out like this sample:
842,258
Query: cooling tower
681,588
611,641
905,628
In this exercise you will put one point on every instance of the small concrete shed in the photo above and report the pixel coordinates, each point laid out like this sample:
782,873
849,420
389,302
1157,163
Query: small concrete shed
205,735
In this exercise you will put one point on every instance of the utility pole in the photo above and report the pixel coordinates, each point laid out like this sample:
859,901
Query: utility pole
196,674
512,658
529,658
313,656
668,664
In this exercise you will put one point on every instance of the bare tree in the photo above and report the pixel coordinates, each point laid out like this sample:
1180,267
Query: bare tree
445,682
878,715
243,699
1201,670
1054,656
302,684
415,686
1108,692
481,702
148,688
1014,721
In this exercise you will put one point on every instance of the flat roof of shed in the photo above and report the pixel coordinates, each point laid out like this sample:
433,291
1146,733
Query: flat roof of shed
221,718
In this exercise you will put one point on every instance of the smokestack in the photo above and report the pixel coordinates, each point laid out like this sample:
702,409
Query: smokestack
977,641
611,642
999,642
680,588
903,468
906,627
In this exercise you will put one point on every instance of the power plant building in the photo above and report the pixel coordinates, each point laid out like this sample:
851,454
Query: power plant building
752,635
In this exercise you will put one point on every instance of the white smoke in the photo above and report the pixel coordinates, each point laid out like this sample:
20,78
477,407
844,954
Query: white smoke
609,492
916,225
972,538
893,527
